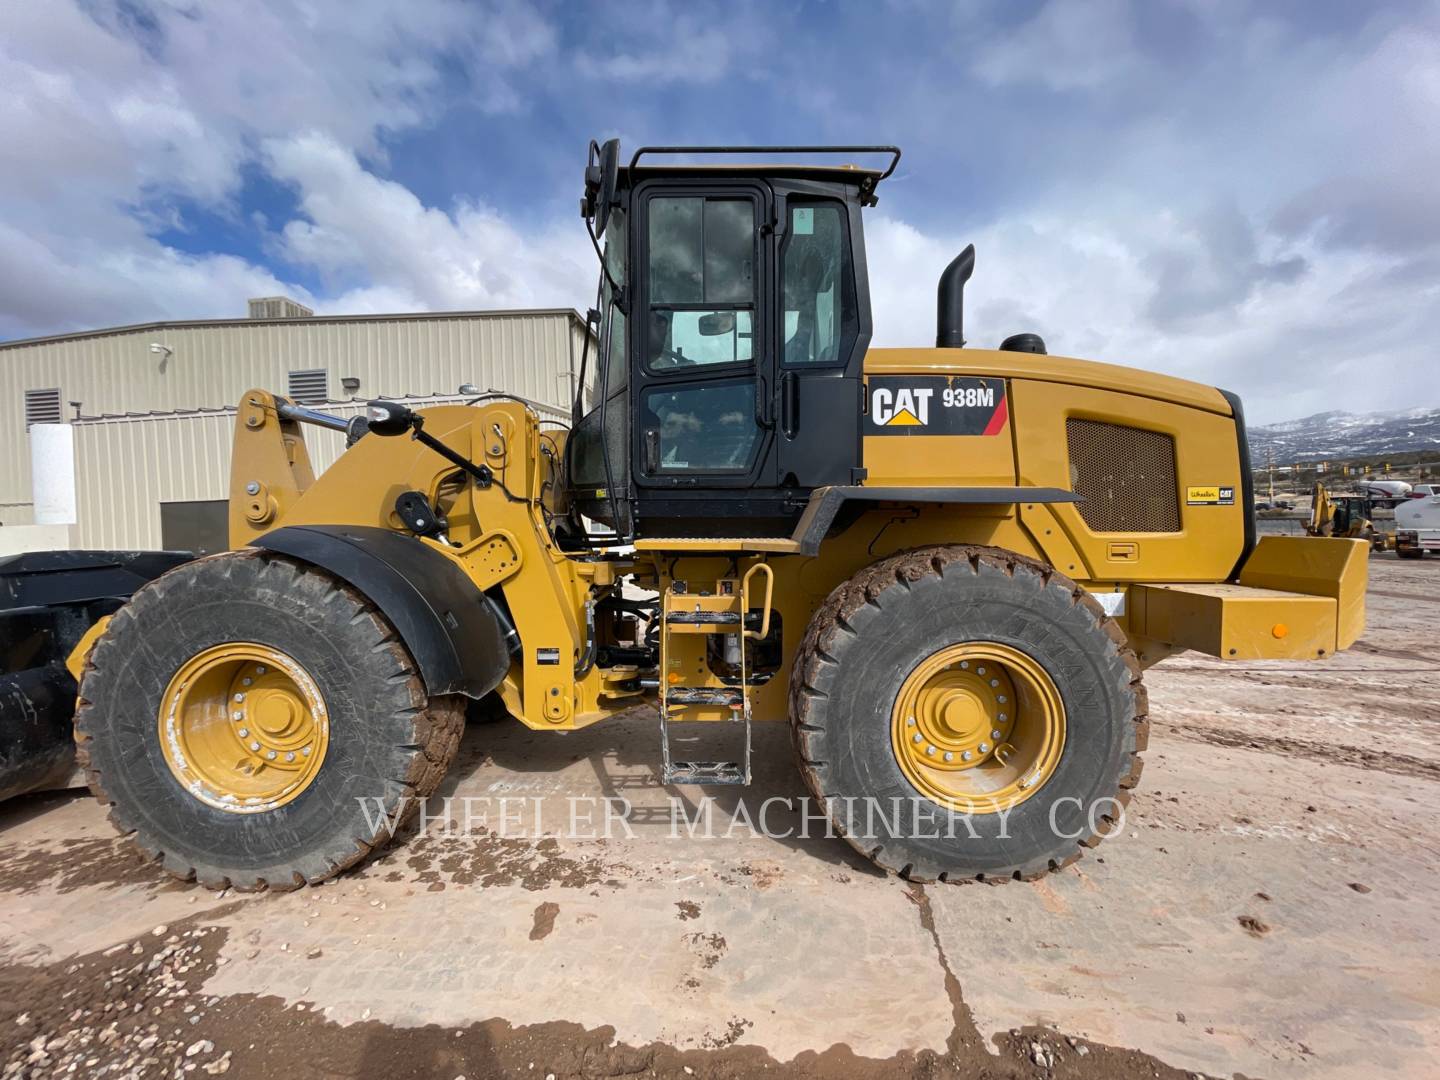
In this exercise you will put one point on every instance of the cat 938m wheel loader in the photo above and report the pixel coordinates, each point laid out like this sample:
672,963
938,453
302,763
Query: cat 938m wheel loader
945,569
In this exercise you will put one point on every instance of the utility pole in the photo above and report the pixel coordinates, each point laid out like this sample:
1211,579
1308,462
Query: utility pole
1270,466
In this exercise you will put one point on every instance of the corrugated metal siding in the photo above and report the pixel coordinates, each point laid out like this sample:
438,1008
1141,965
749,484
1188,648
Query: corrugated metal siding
125,469
127,466
211,365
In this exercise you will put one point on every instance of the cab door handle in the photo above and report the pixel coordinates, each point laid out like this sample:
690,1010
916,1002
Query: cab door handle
790,404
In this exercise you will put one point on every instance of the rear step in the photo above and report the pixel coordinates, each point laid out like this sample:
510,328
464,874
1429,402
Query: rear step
713,618
734,697
706,772
726,612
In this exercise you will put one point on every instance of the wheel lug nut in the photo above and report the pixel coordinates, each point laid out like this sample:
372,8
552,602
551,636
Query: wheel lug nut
290,756
270,755
244,732
966,756
260,669
1001,699
255,746
930,750
910,721
918,737
979,671
237,715
305,751
994,682
1002,720
964,665
996,733
239,697
984,748
246,681
949,756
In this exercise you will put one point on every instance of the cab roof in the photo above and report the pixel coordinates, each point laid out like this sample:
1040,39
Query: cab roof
864,177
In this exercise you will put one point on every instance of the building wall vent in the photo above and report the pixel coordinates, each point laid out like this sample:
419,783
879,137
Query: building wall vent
309,387
42,407
278,307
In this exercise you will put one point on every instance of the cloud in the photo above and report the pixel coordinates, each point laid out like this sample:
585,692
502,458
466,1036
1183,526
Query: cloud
1304,333
1212,266
1234,192
119,114
657,44
1063,46
359,227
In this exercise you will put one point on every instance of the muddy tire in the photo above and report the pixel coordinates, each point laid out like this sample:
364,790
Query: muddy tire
385,746
878,631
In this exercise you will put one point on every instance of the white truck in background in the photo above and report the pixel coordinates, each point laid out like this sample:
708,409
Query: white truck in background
1384,493
1417,527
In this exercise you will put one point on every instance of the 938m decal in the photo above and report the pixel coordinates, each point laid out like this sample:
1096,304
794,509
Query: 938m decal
935,405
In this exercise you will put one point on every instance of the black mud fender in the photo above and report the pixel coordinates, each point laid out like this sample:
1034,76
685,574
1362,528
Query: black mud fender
443,619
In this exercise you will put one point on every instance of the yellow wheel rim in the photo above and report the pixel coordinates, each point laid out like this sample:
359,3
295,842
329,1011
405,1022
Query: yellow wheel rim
243,727
978,727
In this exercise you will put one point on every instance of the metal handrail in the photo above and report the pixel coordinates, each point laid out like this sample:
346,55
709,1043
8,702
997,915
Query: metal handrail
894,151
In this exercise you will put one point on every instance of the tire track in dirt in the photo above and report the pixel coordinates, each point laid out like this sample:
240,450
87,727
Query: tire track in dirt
1352,756
1394,594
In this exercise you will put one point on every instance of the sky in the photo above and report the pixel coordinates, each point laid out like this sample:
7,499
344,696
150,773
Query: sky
1240,193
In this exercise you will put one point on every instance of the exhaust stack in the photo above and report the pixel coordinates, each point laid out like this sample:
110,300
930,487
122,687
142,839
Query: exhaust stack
950,300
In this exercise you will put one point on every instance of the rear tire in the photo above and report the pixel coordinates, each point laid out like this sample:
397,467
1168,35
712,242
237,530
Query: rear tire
386,747
886,626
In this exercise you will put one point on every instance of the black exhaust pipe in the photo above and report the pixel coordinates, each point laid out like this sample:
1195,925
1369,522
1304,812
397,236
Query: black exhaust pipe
950,300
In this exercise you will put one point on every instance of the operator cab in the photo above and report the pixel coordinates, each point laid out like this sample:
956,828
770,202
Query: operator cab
732,324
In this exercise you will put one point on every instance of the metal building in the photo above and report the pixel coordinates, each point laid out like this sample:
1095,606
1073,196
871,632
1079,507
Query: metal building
152,405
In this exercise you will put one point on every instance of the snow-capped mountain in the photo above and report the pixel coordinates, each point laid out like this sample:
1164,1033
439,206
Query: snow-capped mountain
1343,436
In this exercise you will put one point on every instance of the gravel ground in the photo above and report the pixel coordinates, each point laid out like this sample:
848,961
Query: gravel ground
1267,912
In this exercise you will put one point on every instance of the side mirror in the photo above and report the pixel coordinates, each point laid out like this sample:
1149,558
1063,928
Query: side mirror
717,323
389,418
602,177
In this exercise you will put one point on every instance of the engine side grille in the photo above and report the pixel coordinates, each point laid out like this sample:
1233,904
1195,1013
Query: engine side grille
1125,475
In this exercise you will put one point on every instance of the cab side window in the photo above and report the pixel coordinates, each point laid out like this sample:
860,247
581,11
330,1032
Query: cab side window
817,297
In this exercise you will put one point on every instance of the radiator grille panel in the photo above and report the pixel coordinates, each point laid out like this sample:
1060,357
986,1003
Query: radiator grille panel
1125,475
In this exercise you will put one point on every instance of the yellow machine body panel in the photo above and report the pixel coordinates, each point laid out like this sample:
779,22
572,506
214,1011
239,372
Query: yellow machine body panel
1235,622
1030,443
1064,370
1296,598
498,535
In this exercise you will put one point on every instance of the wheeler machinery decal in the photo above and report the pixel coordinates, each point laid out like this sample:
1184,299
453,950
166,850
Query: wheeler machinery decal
1210,495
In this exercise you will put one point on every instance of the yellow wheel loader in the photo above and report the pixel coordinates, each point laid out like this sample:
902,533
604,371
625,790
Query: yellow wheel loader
946,569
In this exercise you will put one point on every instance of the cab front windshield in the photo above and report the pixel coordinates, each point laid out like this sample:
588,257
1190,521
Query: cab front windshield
605,383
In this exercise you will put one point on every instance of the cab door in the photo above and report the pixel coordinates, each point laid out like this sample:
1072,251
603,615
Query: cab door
704,367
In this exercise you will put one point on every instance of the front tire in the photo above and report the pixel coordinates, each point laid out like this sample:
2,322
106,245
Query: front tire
251,721
924,658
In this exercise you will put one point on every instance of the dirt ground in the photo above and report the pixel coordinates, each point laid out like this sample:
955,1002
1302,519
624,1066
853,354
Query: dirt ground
1268,912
